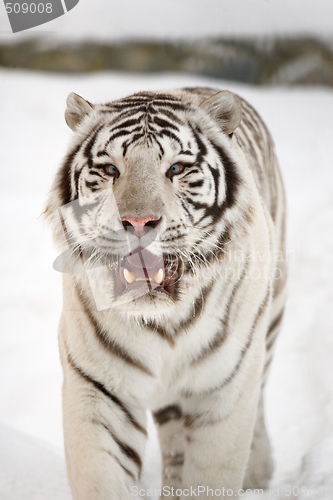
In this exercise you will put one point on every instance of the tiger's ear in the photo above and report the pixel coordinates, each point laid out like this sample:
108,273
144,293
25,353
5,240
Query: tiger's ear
77,109
224,107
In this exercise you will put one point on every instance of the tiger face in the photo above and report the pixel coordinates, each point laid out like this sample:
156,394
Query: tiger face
148,191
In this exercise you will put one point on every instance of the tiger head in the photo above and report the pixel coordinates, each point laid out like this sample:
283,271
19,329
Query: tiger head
150,190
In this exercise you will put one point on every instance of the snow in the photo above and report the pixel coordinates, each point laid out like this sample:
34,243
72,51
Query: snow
30,469
33,139
108,20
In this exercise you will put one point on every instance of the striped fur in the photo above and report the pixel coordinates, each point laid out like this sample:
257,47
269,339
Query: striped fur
198,357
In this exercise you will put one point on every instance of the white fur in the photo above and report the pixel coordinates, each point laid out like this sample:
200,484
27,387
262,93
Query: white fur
220,393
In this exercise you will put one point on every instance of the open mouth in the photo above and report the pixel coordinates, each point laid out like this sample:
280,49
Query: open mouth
143,270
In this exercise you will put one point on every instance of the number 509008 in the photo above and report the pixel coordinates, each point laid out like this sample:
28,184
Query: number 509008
32,8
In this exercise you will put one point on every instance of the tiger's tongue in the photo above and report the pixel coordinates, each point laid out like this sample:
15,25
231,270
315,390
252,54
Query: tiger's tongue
144,258
143,265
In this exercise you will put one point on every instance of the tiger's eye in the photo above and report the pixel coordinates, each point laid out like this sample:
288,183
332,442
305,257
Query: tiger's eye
175,169
111,170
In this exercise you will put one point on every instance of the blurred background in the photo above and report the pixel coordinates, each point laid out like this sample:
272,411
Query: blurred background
262,42
277,54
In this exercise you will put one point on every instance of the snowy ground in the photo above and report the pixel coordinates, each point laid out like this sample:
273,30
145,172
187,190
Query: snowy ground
33,139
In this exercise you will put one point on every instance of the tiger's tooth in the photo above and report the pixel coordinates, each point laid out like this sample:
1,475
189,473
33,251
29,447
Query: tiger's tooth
129,277
158,276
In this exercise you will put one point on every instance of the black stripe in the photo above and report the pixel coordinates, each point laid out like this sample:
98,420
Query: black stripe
110,344
92,172
120,133
170,115
129,473
102,153
90,144
191,420
176,460
175,106
165,123
90,184
128,101
127,450
222,334
187,153
104,391
171,135
130,453
131,108
163,97
77,174
190,216
149,97
127,123
171,412
193,171
196,183
198,307
101,165
135,99
124,114
64,177
200,144
216,176
197,420
276,322
125,145
197,205
160,330
273,330
161,148
231,177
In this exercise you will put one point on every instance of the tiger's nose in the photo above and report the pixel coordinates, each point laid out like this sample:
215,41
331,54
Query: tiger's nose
139,227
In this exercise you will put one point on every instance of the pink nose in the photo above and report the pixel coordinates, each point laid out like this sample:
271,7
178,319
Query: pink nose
137,226
138,222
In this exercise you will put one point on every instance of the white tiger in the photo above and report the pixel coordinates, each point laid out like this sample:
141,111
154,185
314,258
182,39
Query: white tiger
173,205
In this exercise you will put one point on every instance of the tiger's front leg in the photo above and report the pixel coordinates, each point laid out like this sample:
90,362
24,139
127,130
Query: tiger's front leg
104,436
219,423
218,440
